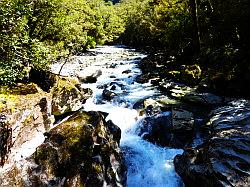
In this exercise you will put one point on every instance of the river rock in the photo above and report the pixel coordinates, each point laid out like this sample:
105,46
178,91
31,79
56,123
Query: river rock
224,159
164,131
182,120
203,98
108,95
5,139
92,78
81,151
126,71
156,129
66,97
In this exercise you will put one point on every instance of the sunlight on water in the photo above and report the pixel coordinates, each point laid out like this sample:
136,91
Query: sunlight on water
148,165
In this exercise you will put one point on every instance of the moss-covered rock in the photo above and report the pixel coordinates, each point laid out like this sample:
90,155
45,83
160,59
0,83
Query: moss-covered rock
81,151
83,148
66,97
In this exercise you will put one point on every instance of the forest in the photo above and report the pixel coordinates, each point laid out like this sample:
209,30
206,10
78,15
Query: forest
213,34
124,93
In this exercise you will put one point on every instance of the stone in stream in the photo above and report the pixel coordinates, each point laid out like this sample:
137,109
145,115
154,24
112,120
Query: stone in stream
81,151
126,71
203,98
171,128
182,120
224,160
113,65
66,97
92,78
108,95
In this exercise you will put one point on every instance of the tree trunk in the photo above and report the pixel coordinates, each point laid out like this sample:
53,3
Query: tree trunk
196,34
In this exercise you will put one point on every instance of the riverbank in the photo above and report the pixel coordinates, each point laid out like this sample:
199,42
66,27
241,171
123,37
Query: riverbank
204,72
220,104
114,117
47,139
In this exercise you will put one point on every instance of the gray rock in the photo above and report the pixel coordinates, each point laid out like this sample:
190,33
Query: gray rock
203,98
89,78
182,120
163,130
224,160
66,97
81,151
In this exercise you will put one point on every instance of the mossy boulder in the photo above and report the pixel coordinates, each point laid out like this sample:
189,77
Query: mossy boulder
81,151
67,96
84,149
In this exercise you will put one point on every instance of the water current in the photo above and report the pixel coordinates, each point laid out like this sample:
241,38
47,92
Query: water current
148,164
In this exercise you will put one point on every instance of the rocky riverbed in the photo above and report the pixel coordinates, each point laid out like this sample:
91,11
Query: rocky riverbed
113,119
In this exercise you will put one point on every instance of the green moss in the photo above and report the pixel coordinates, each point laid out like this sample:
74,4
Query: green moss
74,131
97,168
174,72
193,70
66,82
168,101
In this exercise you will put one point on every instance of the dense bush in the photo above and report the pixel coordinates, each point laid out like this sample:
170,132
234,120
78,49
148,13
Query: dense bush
34,33
164,24
213,33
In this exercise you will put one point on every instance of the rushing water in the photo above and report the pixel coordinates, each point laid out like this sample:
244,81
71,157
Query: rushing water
148,164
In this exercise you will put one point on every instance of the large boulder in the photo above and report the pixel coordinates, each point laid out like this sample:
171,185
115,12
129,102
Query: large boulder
224,159
182,120
89,78
81,151
203,98
171,128
67,97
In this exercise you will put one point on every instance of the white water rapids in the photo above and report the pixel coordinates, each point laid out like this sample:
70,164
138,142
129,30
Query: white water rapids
148,164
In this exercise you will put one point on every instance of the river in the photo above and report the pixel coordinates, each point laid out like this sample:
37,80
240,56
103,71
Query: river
148,164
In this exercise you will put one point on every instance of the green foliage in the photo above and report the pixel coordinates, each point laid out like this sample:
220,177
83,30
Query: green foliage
161,23
34,33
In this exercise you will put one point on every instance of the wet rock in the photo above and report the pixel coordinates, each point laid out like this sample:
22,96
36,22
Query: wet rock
203,98
89,78
82,151
108,95
126,71
143,78
5,139
174,90
156,129
164,131
113,65
182,120
224,159
149,106
66,97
